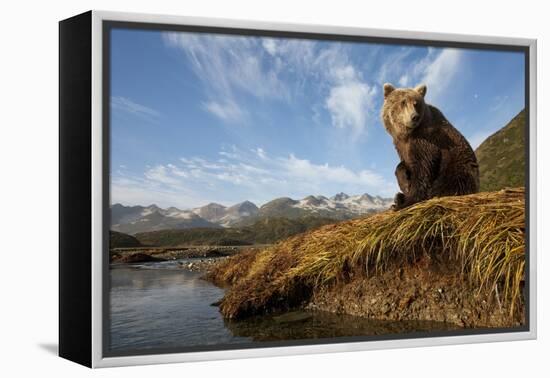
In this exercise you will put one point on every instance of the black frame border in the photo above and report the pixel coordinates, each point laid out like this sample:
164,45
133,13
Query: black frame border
75,189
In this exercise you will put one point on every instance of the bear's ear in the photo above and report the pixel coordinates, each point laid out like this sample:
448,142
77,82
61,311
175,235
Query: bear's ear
388,88
421,89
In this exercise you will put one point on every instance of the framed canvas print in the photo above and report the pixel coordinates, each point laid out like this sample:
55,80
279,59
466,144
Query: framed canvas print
233,189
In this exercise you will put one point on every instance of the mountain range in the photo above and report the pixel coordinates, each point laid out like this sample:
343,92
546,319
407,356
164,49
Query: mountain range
135,219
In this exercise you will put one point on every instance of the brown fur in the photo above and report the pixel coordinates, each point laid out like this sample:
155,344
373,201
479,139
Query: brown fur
436,160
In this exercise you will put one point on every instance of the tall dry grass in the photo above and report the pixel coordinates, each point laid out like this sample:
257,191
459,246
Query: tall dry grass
483,233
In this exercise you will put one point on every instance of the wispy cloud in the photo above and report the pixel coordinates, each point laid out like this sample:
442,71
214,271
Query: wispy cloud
278,69
395,65
350,93
238,175
229,66
498,102
134,190
226,110
438,69
160,184
124,104
348,98
350,104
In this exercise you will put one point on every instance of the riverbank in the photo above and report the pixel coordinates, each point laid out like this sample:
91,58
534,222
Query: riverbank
455,259
150,254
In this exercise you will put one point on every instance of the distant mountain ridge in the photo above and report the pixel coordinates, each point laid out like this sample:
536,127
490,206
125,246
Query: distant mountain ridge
226,216
135,219
340,206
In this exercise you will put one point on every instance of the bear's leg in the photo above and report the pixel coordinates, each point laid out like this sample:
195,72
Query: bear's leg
403,176
398,201
417,188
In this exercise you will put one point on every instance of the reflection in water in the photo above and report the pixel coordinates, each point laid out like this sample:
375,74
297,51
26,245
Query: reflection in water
159,305
314,325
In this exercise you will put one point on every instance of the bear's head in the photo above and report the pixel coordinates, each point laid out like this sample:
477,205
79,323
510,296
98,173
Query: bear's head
403,109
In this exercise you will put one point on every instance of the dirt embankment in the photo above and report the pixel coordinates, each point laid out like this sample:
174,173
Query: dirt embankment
455,259
427,290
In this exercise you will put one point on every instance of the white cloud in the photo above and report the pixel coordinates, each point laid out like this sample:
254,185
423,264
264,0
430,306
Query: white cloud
439,71
137,191
229,66
293,56
394,65
126,105
271,68
349,105
270,45
240,175
227,111
260,152
163,175
350,100
323,174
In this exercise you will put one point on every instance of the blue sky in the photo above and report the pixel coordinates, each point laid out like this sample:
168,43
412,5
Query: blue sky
199,118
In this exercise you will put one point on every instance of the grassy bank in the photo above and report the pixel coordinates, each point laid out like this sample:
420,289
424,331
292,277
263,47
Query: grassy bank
477,239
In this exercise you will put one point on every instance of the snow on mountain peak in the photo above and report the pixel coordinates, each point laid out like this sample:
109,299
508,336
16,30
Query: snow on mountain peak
340,197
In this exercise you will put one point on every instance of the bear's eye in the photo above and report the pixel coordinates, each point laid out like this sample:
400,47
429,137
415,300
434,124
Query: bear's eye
403,103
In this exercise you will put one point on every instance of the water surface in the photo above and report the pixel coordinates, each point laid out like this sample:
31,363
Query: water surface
162,305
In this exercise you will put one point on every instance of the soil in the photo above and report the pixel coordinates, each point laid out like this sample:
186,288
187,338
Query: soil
428,290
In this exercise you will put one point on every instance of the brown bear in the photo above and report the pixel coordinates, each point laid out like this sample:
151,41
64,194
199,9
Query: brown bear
436,160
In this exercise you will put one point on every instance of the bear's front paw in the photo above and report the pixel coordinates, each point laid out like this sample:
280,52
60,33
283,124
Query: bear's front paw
398,201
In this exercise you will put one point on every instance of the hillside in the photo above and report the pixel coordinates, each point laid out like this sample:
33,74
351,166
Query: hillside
120,240
501,156
442,259
263,231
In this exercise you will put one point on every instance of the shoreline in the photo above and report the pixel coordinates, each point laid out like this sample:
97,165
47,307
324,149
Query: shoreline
152,254
192,264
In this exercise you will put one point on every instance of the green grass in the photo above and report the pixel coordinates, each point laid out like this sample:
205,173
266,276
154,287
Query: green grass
501,157
263,231
120,240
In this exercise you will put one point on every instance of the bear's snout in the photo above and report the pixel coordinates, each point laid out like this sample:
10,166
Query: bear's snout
414,121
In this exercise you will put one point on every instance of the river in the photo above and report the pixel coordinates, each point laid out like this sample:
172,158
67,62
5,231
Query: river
162,306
